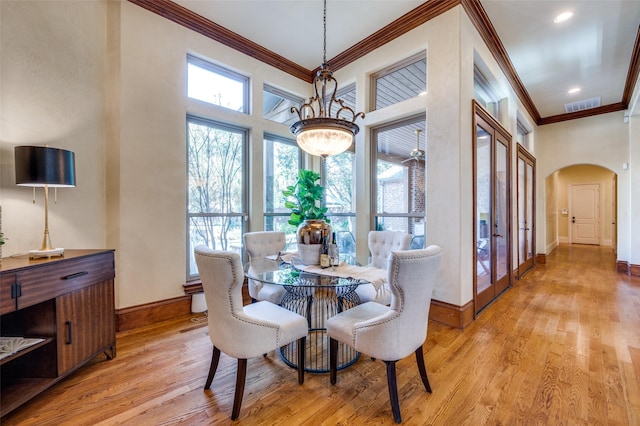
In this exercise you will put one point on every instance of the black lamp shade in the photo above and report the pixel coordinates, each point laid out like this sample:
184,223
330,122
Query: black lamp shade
42,165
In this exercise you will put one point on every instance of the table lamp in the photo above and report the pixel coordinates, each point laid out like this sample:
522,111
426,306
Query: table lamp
43,166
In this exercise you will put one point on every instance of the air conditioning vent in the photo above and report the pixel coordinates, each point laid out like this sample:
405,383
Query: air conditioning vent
582,105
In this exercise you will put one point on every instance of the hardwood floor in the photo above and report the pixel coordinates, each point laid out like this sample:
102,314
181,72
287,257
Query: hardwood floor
562,347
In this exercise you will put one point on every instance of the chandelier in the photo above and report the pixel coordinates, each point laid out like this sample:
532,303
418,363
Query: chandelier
318,132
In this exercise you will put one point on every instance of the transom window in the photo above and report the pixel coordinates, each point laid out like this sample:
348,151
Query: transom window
211,83
402,81
276,105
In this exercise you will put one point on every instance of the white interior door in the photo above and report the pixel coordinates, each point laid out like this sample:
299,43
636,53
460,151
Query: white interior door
585,214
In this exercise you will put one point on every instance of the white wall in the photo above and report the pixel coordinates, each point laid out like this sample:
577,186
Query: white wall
51,92
602,140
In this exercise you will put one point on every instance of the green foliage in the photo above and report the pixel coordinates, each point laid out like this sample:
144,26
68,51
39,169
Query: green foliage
304,198
2,238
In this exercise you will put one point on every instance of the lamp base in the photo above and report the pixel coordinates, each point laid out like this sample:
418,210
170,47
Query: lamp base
36,254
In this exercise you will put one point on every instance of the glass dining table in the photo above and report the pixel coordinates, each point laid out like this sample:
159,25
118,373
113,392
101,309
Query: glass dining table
317,296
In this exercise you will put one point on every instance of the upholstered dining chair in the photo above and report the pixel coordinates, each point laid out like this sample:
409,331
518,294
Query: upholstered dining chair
243,331
381,244
391,333
261,244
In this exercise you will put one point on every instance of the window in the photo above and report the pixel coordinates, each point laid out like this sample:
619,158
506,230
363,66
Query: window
399,178
282,159
338,181
484,94
523,133
216,204
276,105
348,96
399,82
216,85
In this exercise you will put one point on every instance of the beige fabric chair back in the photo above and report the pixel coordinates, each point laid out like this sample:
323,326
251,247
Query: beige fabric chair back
231,328
382,243
402,329
263,243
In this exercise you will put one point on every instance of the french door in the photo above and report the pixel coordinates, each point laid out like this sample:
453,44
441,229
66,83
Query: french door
526,209
491,174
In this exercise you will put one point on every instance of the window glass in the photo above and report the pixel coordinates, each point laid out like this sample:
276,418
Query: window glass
522,134
400,82
400,177
216,85
276,105
282,159
216,205
339,184
348,96
485,94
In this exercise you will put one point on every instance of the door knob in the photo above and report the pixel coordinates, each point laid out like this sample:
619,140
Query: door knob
573,219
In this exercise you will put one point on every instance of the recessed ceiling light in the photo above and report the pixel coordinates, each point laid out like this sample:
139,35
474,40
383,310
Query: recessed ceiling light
564,16
574,90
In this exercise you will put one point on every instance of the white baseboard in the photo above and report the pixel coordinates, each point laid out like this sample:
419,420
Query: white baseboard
551,246
563,240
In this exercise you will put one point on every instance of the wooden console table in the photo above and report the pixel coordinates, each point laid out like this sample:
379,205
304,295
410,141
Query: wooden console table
69,303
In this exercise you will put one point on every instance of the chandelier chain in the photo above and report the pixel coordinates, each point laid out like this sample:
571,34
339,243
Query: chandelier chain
324,54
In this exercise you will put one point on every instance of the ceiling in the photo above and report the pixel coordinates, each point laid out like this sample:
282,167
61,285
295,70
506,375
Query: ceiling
593,51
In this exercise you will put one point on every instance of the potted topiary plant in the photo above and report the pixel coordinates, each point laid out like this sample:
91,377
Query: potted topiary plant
308,215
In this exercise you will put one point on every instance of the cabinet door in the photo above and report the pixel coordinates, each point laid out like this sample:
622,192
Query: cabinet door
7,303
86,324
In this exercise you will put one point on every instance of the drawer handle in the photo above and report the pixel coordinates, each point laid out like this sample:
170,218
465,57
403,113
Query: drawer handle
76,275
68,326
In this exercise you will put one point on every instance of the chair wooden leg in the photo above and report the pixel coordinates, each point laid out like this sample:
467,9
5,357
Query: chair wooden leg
422,369
240,379
302,350
333,360
214,366
393,390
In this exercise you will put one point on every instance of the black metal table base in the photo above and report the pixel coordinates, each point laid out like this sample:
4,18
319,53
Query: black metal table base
317,305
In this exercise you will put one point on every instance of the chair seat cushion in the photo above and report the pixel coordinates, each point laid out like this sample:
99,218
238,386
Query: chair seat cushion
341,327
292,325
271,293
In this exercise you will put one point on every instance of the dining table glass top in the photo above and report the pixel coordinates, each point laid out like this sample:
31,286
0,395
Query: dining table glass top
274,271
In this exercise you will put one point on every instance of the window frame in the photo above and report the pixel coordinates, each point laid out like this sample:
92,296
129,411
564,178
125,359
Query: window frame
410,216
244,215
285,95
277,139
225,72
374,77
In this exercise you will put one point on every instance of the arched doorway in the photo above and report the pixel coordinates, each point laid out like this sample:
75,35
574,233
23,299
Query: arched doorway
581,206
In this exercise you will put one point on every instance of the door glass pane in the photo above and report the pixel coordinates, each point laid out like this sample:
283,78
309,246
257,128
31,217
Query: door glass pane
529,229
483,209
522,196
501,220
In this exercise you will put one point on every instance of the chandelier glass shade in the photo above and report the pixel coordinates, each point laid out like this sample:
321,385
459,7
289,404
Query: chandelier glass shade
319,131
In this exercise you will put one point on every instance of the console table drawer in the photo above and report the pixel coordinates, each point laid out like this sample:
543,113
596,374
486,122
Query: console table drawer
57,278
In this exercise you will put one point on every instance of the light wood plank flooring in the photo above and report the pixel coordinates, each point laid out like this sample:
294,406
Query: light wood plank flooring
562,347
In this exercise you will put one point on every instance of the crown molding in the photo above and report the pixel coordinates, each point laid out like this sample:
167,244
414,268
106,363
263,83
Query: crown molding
413,19
604,109
183,16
